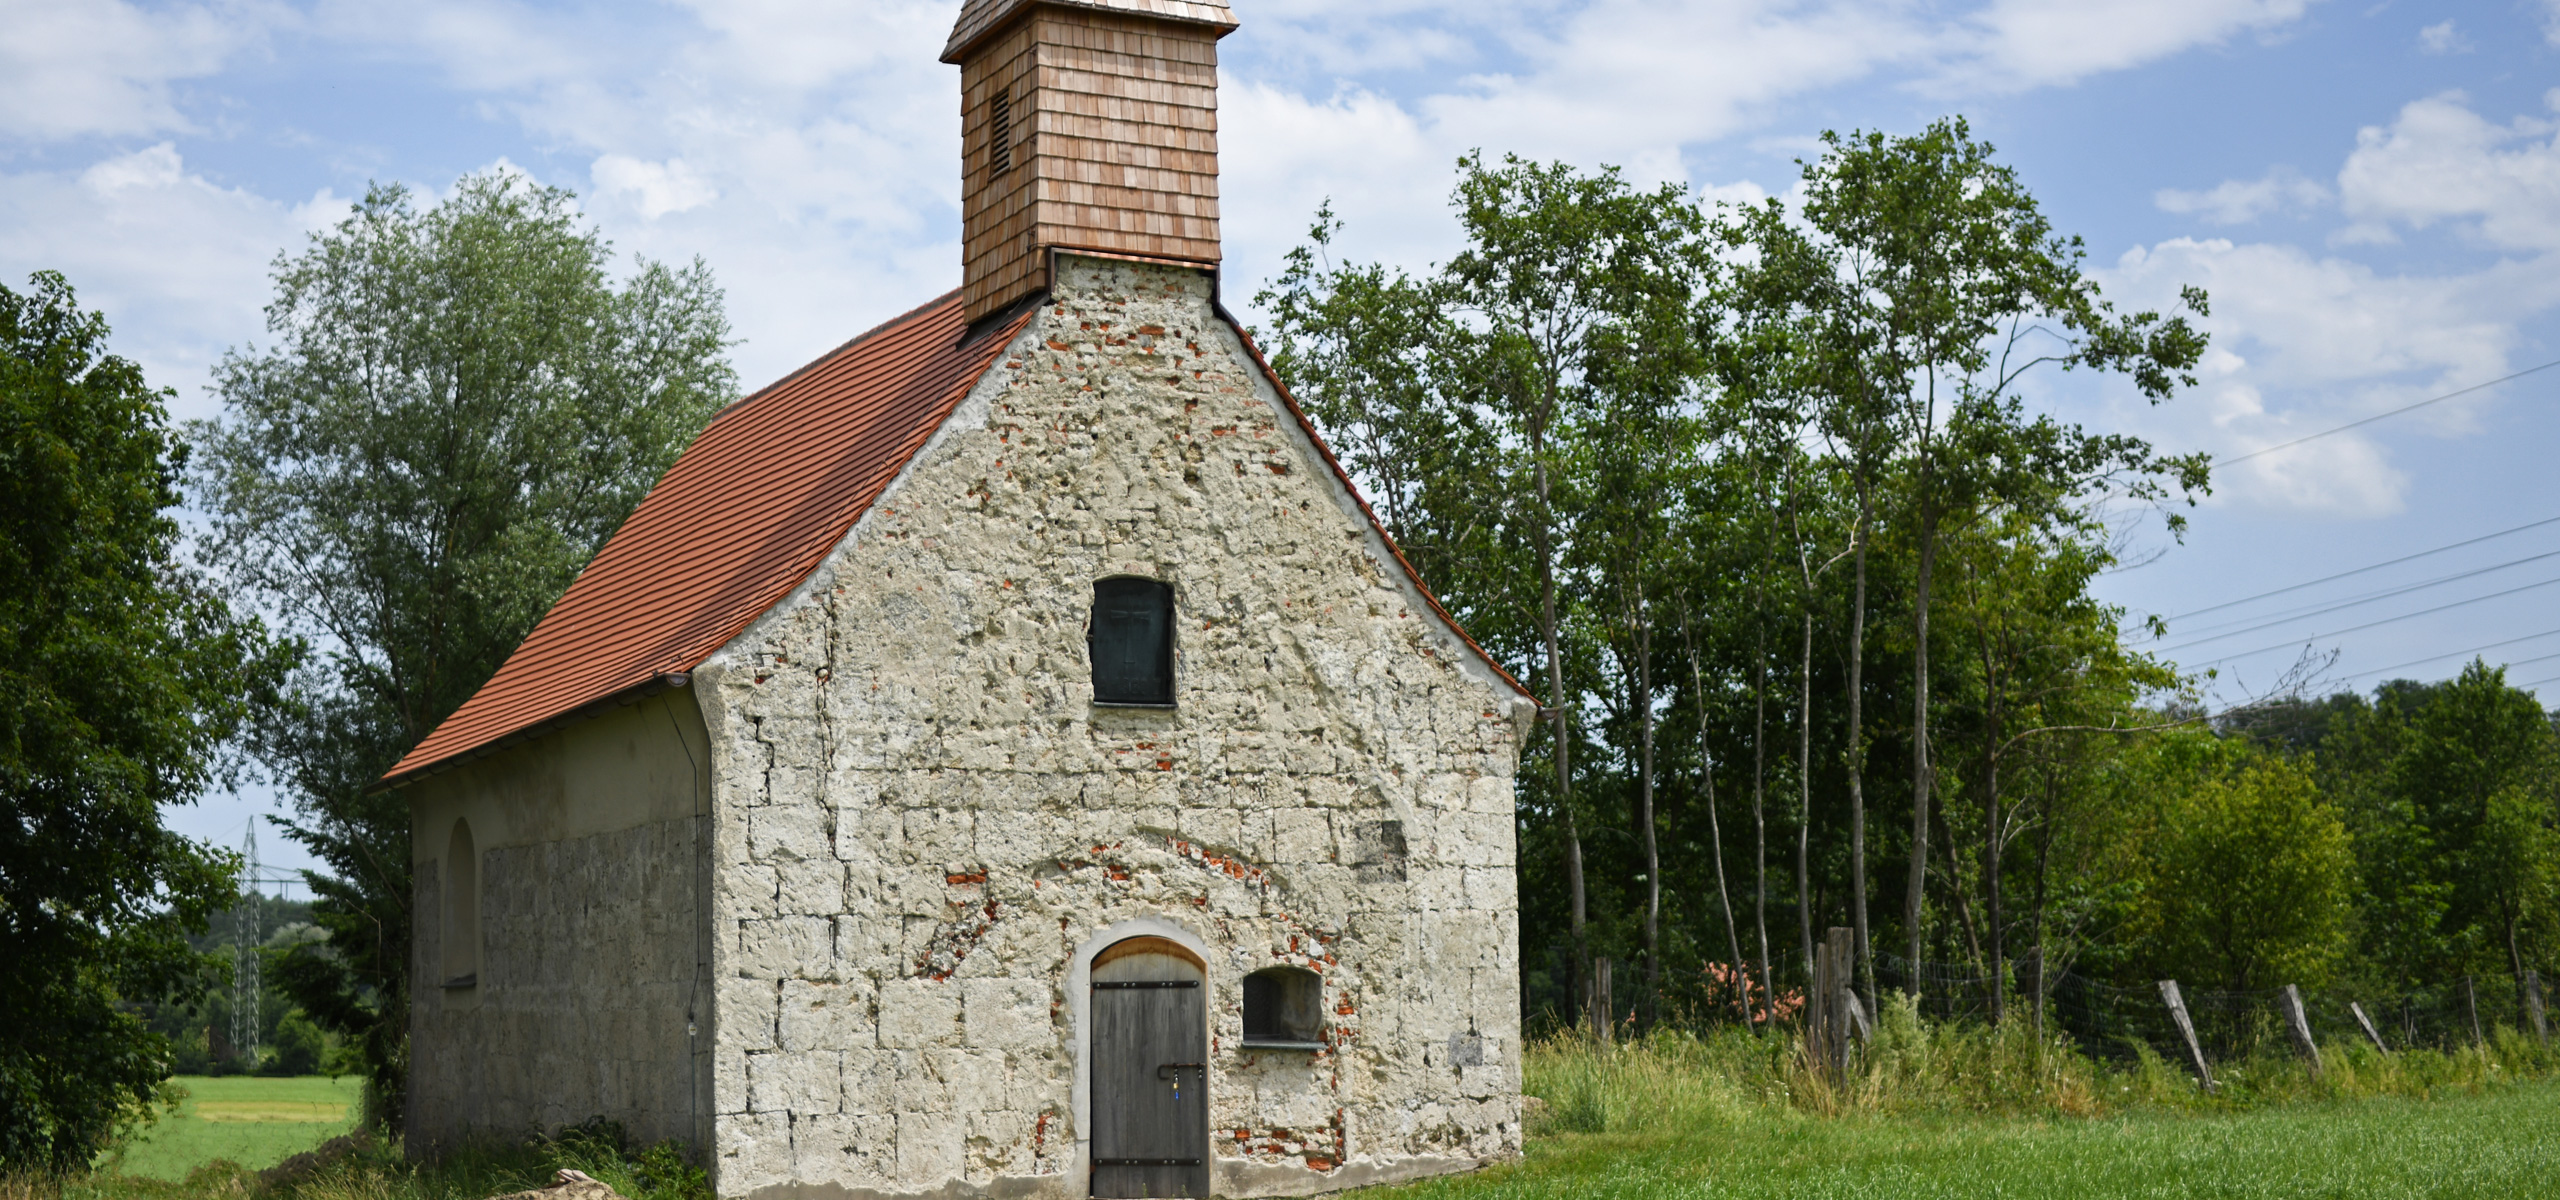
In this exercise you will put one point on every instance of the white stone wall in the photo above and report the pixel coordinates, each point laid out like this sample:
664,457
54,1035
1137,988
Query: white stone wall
921,816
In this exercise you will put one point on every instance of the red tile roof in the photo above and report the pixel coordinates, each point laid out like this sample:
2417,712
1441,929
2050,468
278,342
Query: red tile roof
748,511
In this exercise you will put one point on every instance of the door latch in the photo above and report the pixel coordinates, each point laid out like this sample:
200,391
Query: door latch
1176,1076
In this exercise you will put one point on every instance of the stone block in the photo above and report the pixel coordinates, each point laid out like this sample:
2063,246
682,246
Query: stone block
799,1081
1007,1014
746,1012
786,948
788,832
915,1013
870,1081
811,887
754,1149
928,1147
825,1016
1301,835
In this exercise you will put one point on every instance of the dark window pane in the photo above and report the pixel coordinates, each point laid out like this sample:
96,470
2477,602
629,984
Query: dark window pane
1283,1004
1131,642
1261,1007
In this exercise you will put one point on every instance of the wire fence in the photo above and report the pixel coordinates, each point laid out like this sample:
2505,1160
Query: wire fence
2109,1020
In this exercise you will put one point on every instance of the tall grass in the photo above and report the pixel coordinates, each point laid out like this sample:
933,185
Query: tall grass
1682,1081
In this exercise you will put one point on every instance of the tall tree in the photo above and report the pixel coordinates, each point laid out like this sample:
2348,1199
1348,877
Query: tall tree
121,678
1961,287
1561,270
460,406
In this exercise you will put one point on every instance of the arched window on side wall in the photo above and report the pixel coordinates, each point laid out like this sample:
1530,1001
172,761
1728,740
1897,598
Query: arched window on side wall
1284,1009
461,932
1130,642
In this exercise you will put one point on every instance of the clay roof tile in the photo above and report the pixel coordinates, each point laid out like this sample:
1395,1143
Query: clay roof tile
745,514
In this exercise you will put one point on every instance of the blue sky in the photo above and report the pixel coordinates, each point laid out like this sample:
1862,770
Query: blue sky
2370,192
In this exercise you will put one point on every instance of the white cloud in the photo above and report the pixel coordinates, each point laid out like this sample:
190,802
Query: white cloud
2443,38
178,264
2335,340
2035,42
2240,201
658,188
2440,161
105,66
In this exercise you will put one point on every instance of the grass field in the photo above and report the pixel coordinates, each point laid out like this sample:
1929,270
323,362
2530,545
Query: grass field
1929,1111
251,1121
2503,1142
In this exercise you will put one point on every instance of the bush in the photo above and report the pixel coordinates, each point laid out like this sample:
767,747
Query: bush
298,1045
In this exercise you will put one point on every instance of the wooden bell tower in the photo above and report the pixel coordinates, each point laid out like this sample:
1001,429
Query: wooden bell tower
1085,125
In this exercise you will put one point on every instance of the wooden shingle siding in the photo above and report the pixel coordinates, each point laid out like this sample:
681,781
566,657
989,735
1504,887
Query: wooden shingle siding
1115,137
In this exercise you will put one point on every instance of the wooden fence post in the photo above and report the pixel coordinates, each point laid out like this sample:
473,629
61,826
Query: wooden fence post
2298,1023
2533,1007
2187,1032
2471,1007
2366,1023
1833,1005
1603,1022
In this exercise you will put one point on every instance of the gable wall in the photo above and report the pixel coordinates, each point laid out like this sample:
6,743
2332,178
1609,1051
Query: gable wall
923,824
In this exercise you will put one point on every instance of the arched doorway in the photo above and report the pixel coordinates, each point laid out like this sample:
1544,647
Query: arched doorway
1150,1070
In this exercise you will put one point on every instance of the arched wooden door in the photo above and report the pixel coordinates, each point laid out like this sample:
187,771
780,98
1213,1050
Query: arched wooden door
1150,1070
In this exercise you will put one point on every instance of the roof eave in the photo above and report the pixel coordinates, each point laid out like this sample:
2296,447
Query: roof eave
584,712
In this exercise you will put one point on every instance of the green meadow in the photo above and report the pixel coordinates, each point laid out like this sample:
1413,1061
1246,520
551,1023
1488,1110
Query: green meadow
2497,1143
1929,1112
253,1121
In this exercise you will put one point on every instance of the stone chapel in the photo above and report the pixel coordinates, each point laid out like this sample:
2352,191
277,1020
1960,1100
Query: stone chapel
1004,757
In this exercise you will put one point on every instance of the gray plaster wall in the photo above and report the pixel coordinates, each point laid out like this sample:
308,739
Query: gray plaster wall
593,948
924,827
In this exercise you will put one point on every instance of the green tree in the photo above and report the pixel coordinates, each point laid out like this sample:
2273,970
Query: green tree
121,677
1956,288
460,407
2474,778
2250,876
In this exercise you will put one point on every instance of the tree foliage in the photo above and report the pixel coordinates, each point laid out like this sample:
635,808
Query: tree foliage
2246,872
122,676
461,404
1633,439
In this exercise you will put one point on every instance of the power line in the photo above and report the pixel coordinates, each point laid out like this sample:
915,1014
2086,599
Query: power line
2454,654
2377,624
2313,437
2367,598
2361,570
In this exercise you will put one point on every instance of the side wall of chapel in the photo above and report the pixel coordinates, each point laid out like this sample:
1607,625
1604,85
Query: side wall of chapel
589,889
923,822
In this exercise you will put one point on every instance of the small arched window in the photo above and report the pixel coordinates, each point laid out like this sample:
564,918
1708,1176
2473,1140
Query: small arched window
1284,1009
1130,641
461,933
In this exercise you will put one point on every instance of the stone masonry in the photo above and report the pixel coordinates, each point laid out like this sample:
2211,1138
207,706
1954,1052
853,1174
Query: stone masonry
921,820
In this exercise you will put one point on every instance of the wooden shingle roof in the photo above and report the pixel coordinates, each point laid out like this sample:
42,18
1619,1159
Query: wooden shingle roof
981,17
747,512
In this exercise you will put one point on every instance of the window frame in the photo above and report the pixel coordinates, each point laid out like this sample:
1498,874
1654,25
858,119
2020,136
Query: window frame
1168,648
